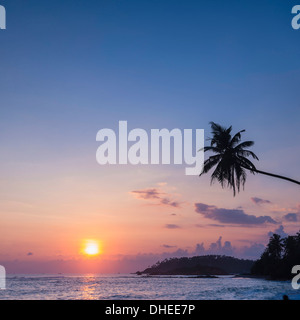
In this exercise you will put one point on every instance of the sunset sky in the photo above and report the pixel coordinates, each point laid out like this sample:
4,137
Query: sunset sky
70,68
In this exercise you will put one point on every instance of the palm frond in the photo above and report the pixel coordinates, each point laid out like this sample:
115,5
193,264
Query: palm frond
247,153
210,163
244,162
245,144
212,149
236,138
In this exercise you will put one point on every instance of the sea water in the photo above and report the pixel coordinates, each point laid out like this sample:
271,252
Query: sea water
128,286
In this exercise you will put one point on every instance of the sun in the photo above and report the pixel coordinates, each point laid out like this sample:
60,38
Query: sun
91,247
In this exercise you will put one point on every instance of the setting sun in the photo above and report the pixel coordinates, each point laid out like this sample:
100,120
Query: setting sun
91,247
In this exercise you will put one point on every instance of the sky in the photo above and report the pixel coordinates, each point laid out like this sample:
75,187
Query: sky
70,68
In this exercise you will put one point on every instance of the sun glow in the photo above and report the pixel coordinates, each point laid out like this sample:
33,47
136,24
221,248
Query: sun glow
91,247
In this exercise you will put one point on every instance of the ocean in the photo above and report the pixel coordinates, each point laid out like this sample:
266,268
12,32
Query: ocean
133,287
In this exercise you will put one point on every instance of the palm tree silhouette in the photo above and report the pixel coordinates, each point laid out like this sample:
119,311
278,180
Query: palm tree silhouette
275,247
230,159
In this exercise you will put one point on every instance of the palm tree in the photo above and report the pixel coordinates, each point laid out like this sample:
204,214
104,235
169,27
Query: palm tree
230,159
275,247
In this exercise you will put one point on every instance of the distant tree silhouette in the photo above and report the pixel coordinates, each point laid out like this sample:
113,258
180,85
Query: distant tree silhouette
280,255
231,159
199,265
275,247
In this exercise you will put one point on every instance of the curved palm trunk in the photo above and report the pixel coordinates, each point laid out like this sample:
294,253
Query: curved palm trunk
273,175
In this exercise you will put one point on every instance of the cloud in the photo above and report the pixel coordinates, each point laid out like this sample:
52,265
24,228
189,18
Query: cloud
215,248
252,252
291,217
168,246
29,254
155,194
168,202
162,184
218,248
280,231
200,250
147,194
209,225
231,216
259,201
172,226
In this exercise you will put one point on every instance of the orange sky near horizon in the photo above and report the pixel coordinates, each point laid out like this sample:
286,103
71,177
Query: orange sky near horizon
50,219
